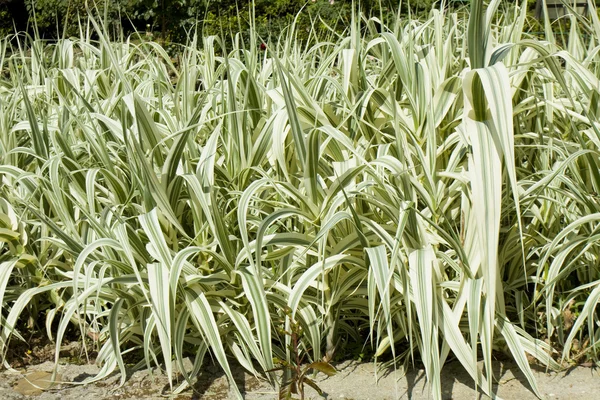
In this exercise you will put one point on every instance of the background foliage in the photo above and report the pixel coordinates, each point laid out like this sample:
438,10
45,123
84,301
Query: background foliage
173,18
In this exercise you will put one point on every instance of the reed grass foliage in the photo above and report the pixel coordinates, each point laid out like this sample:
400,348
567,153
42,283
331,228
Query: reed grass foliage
425,188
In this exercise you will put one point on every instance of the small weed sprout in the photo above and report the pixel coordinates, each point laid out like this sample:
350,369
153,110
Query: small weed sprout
295,376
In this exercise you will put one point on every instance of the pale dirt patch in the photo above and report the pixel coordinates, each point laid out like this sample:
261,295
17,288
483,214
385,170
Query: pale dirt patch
35,383
355,381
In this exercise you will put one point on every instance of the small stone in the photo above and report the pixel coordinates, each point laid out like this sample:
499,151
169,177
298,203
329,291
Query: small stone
188,365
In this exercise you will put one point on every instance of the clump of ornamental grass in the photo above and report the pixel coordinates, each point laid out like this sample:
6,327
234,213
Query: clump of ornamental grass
427,188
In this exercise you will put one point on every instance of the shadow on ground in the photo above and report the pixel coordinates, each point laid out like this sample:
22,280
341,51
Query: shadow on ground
354,381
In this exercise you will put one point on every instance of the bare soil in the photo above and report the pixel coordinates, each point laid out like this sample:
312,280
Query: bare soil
354,381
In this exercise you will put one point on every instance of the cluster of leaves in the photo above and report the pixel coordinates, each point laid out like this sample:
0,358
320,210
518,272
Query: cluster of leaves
423,187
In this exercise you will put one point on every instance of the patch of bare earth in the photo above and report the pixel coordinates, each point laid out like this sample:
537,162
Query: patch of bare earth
354,381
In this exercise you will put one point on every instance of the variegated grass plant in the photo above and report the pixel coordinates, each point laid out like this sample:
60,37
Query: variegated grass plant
427,188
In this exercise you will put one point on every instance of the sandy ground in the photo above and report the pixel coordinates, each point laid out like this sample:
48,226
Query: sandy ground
354,381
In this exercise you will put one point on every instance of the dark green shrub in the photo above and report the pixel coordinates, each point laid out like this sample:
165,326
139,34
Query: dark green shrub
172,19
